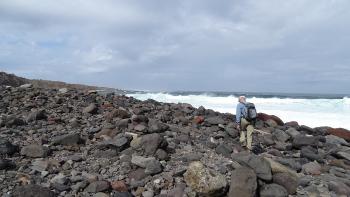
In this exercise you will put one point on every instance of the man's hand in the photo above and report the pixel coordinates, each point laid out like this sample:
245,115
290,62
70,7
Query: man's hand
238,127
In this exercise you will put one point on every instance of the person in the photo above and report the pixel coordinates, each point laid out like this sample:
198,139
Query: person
243,125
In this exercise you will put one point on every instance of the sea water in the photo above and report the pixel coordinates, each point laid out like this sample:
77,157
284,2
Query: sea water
310,110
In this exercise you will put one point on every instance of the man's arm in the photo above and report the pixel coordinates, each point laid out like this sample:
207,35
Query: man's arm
238,114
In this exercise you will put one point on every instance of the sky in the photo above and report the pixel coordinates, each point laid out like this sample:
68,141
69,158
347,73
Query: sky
299,46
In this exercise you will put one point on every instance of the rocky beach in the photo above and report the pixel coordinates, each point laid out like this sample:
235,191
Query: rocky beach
83,142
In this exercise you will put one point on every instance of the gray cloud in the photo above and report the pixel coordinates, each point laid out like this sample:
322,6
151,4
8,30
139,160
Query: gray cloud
298,46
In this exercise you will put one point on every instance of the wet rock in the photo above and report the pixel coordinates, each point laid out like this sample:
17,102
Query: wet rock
274,190
32,191
35,151
203,181
97,186
243,182
6,148
290,183
69,139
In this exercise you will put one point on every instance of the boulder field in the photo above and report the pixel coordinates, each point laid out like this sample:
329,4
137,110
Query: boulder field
69,142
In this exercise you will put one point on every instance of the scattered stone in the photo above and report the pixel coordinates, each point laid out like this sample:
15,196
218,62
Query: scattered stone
344,155
97,186
274,190
36,115
280,135
224,150
6,164
91,109
312,168
290,183
302,140
261,167
32,191
215,120
339,188
35,151
340,132
204,181
292,132
243,182
332,139
69,139
6,148
119,186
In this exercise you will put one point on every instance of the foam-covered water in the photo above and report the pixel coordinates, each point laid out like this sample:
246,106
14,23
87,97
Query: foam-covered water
311,112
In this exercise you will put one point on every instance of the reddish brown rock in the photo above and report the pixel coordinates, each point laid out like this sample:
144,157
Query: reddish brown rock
198,119
119,186
340,132
265,117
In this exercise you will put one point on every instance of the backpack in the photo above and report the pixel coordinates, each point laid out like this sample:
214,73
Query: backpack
251,112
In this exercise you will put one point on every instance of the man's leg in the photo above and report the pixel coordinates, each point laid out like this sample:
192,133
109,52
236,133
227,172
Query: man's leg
250,130
242,138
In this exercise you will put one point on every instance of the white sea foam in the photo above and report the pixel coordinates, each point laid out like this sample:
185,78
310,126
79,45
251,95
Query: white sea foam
311,112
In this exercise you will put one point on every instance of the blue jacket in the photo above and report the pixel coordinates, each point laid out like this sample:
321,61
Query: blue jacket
240,112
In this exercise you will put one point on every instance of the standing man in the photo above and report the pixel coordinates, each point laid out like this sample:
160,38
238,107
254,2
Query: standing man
243,125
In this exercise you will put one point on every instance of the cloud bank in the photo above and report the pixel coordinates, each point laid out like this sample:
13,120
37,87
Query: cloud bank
241,45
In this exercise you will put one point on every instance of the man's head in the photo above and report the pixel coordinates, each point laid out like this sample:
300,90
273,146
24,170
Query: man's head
242,99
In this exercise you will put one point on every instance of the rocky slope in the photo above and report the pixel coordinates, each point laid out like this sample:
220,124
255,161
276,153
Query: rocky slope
15,81
59,142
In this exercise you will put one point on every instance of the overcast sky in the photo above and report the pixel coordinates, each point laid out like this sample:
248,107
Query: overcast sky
238,45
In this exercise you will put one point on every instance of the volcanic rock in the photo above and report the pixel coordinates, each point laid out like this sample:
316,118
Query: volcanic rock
243,182
204,181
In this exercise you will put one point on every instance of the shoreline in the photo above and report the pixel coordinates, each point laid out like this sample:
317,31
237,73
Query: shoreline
73,142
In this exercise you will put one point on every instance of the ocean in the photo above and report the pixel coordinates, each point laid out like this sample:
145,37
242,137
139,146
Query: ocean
313,110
